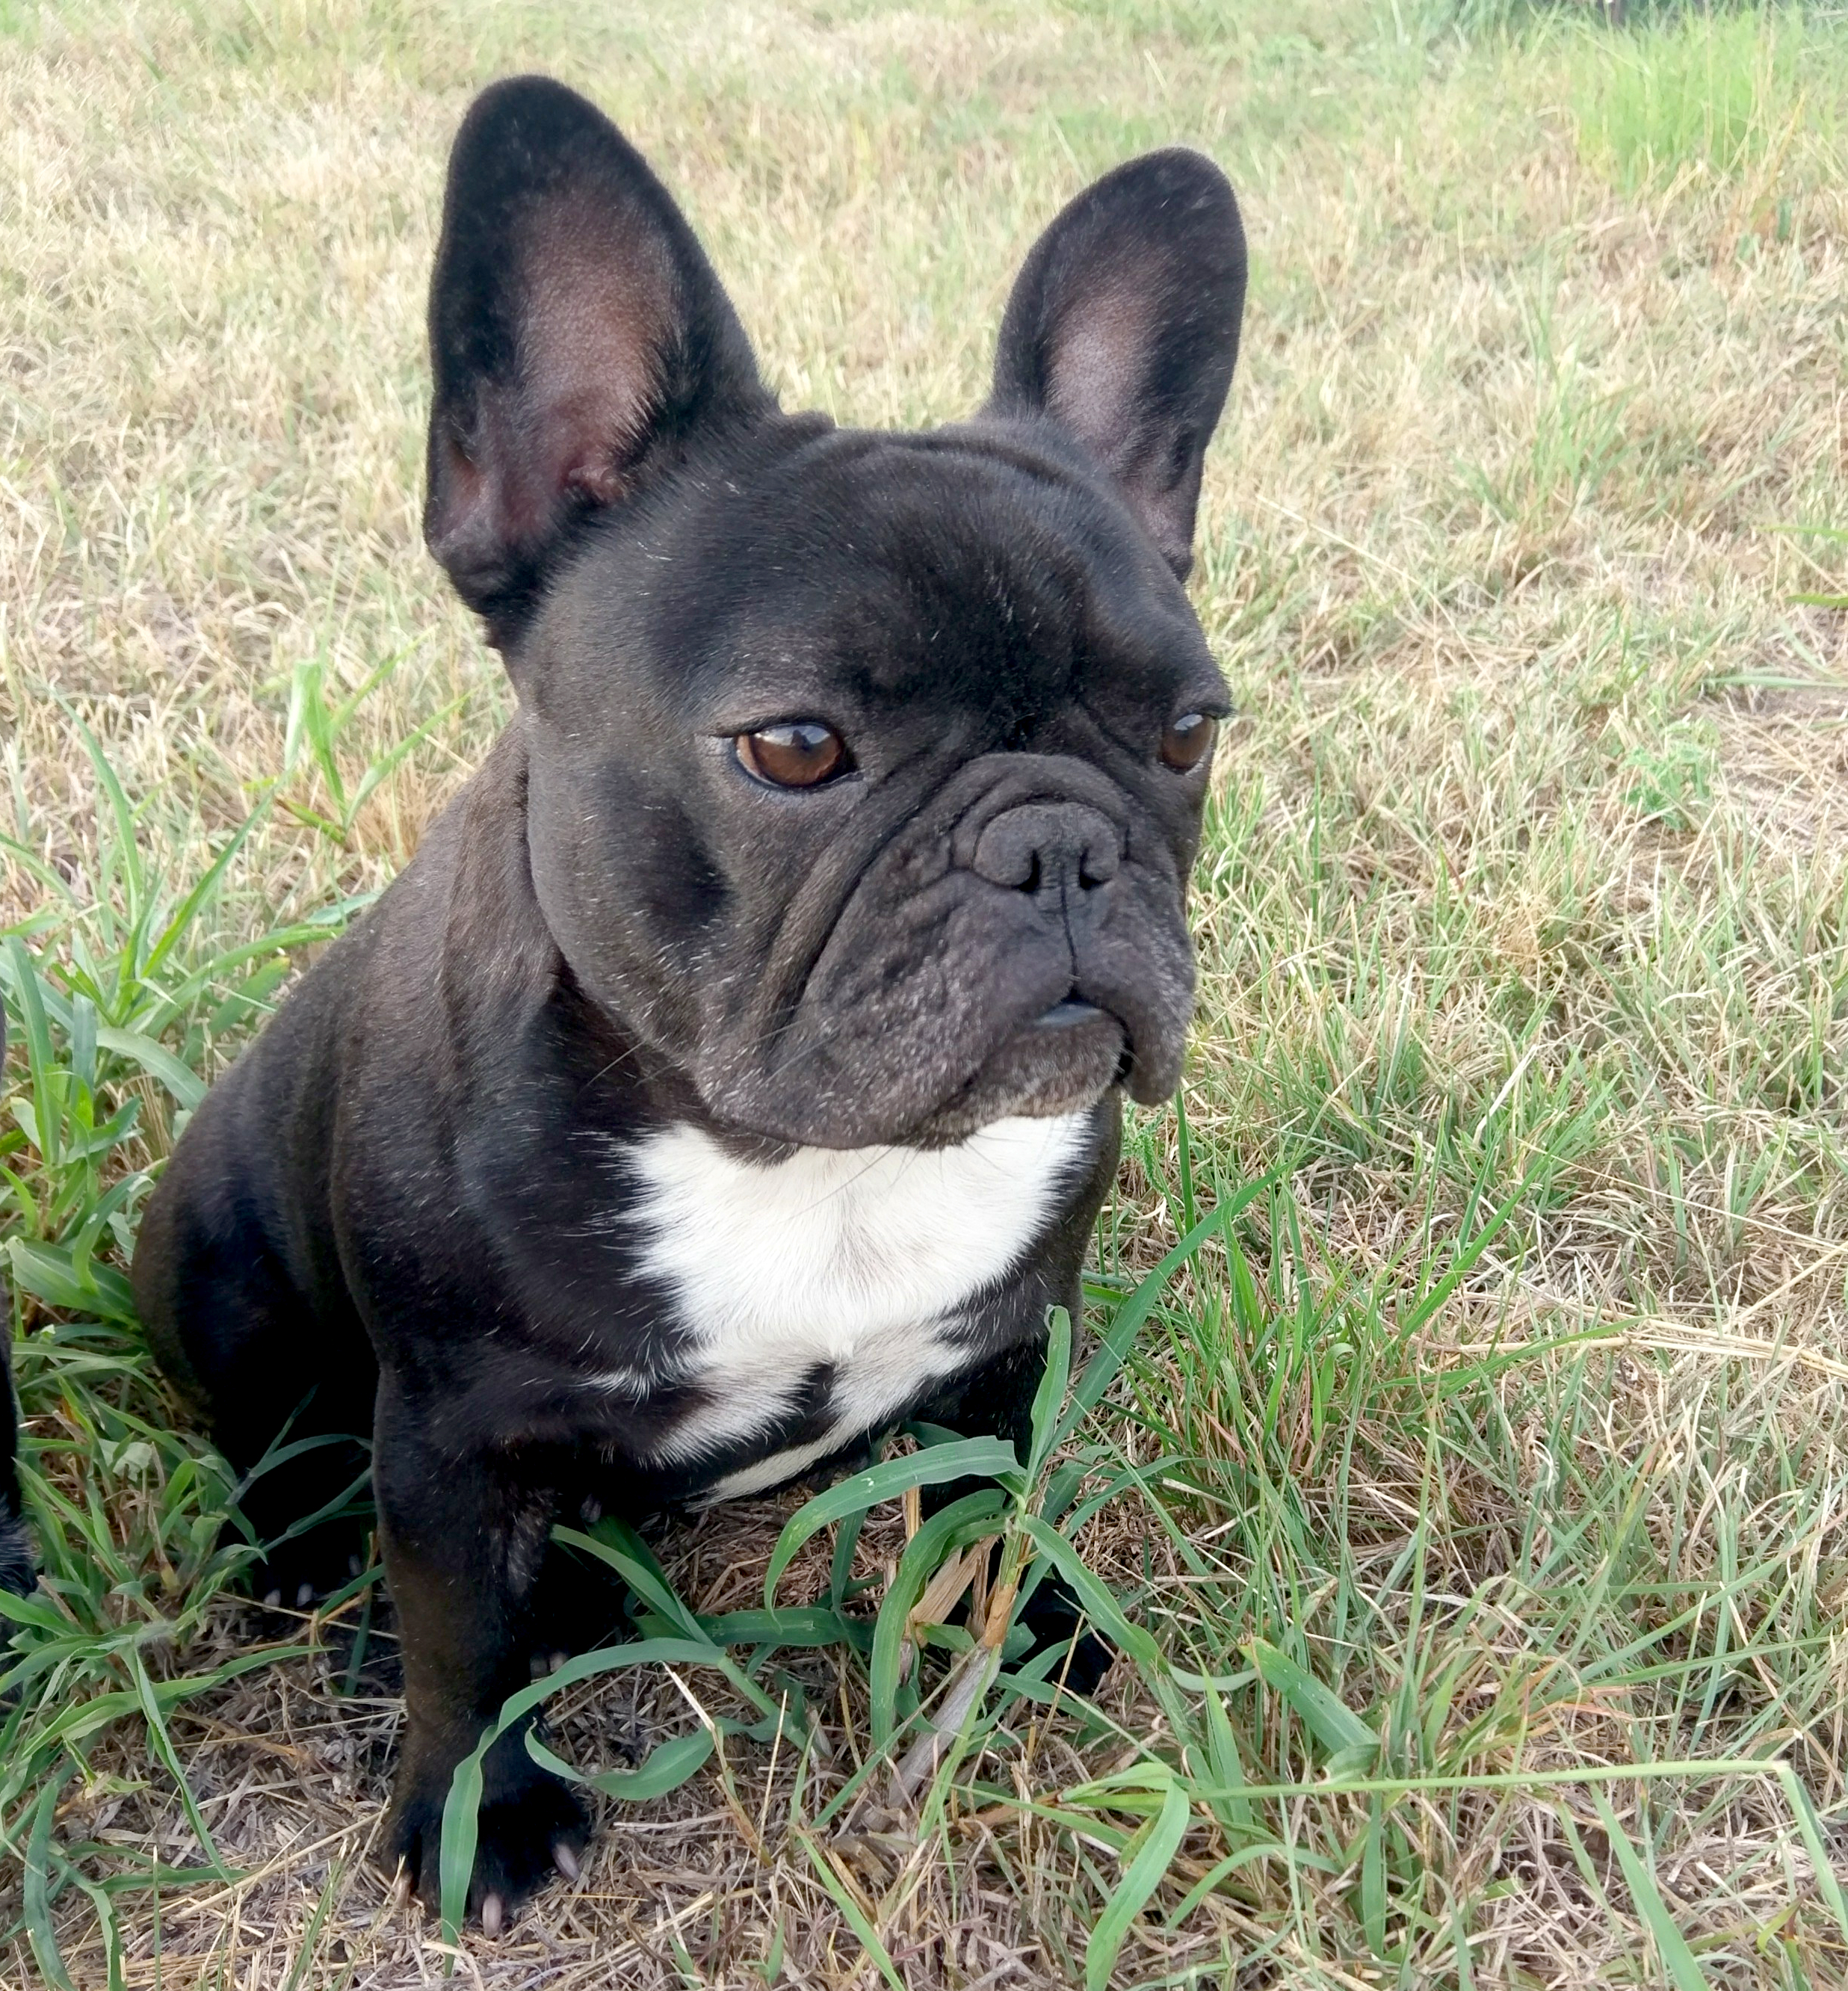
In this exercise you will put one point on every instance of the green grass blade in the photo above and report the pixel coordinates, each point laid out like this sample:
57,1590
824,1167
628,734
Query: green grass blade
462,1804
1103,1610
157,1062
1329,1718
1140,1878
305,1952
821,1864
181,923
128,851
455,1860
163,1748
1127,1322
1373,1878
1671,1945
665,1767
38,1931
617,1543
936,1465
382,769
963,1521
1050,1395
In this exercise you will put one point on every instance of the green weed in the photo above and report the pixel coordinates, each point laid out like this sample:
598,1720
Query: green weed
1703,93
113,995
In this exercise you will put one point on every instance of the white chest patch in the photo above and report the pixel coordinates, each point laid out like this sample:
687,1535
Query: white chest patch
856,1258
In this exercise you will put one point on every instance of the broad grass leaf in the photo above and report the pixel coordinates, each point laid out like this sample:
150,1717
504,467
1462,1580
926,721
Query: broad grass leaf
49,1272
37,1903
1329,1718
1140,1879
801,1624
157,1061
962,1458
1103,1608
164,1749
665,1767
617,1543
462,1828
1050,1395
1373,1878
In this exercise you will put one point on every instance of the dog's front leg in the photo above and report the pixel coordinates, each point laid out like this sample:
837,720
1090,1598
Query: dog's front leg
464,1540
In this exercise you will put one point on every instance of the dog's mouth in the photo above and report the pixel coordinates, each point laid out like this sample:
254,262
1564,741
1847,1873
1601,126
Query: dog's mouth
1062,1060
1076,1013
1062,1015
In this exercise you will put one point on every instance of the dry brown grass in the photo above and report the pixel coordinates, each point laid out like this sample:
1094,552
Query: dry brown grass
1527,877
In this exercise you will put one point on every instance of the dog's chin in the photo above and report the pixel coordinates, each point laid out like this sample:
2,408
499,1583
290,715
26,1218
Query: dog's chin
1063,1062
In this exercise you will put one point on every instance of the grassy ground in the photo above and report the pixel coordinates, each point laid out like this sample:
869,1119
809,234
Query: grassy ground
1498,1442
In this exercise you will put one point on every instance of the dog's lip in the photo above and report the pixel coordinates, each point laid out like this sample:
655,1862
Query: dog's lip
1062,1015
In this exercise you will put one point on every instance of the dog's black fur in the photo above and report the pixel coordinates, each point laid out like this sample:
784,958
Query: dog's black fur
16,1549
400,1200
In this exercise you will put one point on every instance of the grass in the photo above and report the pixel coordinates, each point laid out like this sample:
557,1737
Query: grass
1477,1493
1705,94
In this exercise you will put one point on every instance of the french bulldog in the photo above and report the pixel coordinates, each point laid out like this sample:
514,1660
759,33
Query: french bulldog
735,1072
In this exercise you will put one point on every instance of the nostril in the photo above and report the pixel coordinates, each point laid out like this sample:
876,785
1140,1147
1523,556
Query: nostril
1031,882
1097,863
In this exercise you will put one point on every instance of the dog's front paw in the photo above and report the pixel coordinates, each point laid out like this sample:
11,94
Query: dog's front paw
530,1826
1053,1616
298,1575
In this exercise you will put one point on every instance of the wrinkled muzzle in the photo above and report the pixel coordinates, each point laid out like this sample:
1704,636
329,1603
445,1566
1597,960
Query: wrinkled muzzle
1017,948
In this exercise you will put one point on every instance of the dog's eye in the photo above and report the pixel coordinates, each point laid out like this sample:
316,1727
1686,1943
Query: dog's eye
1185,744
798,753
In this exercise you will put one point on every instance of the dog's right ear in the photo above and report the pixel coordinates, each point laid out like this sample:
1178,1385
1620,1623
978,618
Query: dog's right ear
578,336
1123,329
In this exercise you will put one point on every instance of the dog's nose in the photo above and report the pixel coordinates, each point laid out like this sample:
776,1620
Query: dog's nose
1057,848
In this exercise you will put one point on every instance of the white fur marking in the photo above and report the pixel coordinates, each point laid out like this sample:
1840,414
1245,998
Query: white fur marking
856,1257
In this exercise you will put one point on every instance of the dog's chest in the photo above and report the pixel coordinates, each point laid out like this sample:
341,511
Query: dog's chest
833,1279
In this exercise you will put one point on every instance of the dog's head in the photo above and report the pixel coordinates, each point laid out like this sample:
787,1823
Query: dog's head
865,771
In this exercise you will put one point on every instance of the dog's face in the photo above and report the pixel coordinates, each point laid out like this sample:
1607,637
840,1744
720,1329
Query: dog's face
865,772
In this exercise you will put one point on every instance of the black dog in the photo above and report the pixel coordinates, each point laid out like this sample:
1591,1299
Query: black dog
735,1072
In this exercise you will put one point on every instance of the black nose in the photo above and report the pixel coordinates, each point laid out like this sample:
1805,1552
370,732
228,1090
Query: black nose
1057,848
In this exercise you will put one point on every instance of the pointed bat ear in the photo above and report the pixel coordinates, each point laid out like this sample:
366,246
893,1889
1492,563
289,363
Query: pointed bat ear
1123,327
579,339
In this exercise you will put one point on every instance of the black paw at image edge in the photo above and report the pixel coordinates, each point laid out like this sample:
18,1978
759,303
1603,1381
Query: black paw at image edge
17,1573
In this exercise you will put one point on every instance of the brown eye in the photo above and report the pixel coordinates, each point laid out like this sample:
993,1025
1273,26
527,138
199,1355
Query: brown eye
1185,744
798,753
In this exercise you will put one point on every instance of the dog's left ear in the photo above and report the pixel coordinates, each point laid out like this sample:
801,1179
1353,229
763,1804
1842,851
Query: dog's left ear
1123,327
579,341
